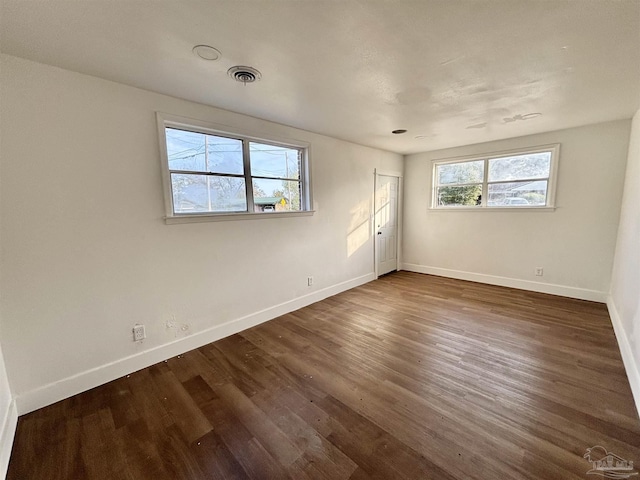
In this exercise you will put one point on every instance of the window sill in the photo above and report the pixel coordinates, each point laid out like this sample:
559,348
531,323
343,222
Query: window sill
492,209
224,217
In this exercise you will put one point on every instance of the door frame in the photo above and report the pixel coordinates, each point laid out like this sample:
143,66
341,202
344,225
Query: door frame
387,173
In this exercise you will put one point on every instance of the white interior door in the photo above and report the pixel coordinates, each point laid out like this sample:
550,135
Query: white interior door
386,223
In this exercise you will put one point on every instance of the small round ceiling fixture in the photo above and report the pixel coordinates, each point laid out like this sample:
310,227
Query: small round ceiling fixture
244,74
400,131
206,52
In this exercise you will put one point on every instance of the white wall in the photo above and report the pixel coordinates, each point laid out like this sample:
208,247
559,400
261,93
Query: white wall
88,253
8,418
5,391
8,415
624,303
574,244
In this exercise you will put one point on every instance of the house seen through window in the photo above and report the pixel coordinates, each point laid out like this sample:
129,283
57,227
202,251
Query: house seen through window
213,173
517,179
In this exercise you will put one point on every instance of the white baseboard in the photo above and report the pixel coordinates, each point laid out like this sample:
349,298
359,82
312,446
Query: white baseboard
561,290
7,433
65,388
630,365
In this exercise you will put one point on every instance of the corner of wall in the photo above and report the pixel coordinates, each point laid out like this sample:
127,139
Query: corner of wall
627,353
623,305
8,426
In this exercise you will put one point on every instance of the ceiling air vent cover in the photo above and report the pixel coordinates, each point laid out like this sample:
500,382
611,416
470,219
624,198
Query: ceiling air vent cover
244,74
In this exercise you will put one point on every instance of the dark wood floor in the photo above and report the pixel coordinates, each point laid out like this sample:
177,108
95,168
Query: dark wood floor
407,377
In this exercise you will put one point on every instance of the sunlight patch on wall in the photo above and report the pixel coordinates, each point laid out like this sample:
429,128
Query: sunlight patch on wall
359,230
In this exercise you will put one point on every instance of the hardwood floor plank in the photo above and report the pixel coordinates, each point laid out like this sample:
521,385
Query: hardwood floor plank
102,463
215,458
141,456
272,438
184,411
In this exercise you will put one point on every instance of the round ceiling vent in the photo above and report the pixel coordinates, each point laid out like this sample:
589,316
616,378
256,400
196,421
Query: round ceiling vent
244,74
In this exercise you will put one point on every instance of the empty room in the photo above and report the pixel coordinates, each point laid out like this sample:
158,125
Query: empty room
332,239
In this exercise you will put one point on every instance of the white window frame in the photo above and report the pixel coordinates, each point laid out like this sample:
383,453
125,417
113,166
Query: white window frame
551,185
198,126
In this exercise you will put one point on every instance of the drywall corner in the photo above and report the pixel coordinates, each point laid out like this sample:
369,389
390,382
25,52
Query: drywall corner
630,365
8,426
624,301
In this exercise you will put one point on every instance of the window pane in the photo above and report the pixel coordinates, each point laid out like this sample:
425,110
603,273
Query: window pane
198,152
464,172
272,161
276,195
518,194
467,195
520,167
207,193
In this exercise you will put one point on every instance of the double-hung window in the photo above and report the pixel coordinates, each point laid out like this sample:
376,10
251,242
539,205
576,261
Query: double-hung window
213,173
516,179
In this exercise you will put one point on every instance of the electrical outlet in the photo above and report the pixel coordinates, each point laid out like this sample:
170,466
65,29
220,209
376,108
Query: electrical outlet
138,333
309,281
539,271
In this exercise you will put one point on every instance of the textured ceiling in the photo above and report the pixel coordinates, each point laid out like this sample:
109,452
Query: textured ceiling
451,72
